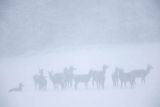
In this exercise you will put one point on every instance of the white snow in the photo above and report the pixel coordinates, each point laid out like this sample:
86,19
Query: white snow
22,68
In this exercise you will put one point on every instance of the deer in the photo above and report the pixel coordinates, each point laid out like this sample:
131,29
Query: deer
142,73
99,77
40,81
115,77
125,77
82,78
58,80
17,89
69,76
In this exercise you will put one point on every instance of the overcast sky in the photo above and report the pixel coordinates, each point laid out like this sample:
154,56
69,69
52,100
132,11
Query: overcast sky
35,24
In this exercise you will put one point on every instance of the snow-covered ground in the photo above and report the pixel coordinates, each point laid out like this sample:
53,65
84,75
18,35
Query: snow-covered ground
22,68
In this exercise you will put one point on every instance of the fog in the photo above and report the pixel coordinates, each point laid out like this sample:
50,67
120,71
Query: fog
36,24
94,38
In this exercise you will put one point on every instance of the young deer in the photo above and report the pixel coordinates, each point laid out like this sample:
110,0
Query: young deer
17,89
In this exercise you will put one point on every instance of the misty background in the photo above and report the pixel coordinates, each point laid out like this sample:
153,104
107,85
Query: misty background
31,25
54,34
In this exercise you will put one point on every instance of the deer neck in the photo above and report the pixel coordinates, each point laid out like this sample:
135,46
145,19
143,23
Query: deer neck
89,74
50,74
104,69
148,69
20,88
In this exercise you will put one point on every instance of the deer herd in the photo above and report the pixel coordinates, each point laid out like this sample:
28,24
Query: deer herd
96,78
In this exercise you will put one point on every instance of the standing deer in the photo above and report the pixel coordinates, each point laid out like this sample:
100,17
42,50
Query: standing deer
115,77
40,81
82,78
99,77
69,76
142,73
125,77
58,80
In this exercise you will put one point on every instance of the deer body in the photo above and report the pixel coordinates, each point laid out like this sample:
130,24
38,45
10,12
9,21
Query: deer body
141,73
82,78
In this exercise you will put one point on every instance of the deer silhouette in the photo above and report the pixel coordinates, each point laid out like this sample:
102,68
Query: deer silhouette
125,77
115,77
58,80
82,78
40,81
142,73
17,89
99,77
69,76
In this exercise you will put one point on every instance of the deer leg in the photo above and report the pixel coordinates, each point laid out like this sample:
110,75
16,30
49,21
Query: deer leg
143,80
103,84
125,84
86,84
121,83
55,86
75,85
93,82
116,83
71,83
62,86
131,84
98,84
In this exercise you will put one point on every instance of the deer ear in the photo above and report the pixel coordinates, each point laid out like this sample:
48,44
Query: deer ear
150,66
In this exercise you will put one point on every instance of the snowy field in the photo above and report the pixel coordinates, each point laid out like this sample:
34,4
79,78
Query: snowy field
22,68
